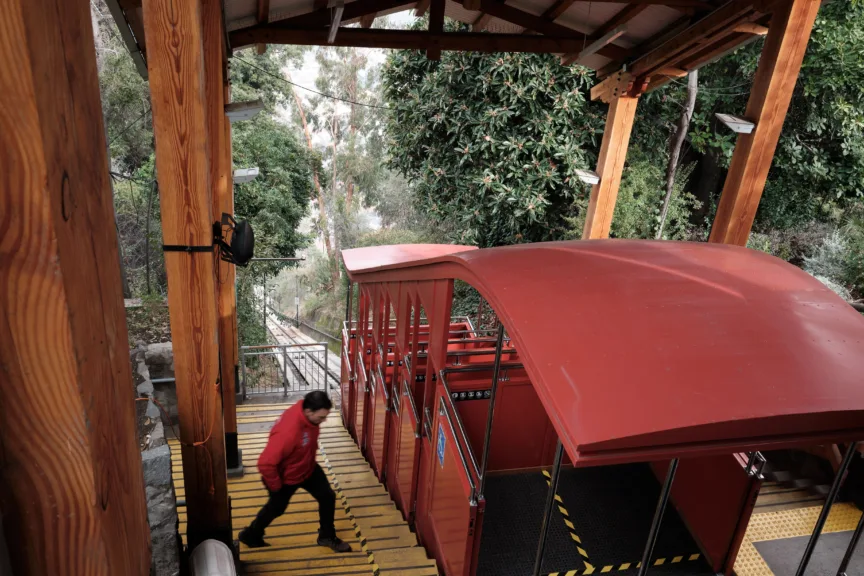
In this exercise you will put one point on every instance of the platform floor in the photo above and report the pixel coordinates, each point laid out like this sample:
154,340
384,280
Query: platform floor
365,515
599,525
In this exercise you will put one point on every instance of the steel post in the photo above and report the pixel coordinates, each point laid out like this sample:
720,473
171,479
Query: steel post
285,371
499,344
547,513
243,371
658,517
826,509
850,550
326,362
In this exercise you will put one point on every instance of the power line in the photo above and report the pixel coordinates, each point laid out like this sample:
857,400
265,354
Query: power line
281,79
128,126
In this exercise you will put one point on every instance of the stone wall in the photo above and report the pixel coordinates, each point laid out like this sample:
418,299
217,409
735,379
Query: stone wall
159,360
158,483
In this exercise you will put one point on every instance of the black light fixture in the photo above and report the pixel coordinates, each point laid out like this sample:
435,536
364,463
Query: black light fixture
241,246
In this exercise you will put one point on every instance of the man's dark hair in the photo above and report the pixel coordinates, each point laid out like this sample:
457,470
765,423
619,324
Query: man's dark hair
316,400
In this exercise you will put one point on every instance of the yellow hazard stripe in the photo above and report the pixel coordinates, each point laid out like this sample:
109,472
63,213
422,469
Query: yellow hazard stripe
570,528
590,569
341,495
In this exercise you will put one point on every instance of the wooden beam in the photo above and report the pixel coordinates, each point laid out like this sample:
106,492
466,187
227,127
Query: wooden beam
696,4
263,18
71,486
222,185
751,28
623,17
436,26
610,165
539,24
773,85
367,20
178,94
421,7
407,39
481,22
557,9
322,16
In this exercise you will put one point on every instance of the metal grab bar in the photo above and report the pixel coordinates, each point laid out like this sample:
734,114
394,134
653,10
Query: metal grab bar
406,391
427,423
461,426
483,367
383,384
444,412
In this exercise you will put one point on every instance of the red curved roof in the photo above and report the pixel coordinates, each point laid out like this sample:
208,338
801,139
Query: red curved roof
640,348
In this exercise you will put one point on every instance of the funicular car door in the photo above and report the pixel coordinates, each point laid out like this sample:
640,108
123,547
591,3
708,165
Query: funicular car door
379,395
404,419
361,365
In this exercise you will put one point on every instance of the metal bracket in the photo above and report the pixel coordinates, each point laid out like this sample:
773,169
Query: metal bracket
755,465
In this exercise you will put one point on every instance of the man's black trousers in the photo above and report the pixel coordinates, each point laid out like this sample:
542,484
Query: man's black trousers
316,485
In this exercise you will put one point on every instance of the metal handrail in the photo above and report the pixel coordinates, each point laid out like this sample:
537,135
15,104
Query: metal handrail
383,384
472,500
427,423
280,346
482,367
461,426
347,362
406,391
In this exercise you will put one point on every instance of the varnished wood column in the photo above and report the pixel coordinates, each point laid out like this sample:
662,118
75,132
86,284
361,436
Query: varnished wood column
175,60
610,166
782,55
223,201
71,487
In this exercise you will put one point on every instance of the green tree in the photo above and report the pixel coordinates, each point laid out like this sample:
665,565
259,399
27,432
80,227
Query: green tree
491,142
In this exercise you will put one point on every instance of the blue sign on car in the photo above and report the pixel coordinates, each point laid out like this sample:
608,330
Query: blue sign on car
441,441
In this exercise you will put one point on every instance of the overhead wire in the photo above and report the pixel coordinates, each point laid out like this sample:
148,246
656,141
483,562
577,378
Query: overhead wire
128,126
324,94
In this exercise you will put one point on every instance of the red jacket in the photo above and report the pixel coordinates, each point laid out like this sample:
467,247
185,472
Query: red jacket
289,457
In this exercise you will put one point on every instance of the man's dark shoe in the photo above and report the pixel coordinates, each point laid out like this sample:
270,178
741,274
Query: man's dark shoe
335,544
250,540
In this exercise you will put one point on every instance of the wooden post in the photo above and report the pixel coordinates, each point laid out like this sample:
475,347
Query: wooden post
610,165
770,96
71,486
176,62
223,201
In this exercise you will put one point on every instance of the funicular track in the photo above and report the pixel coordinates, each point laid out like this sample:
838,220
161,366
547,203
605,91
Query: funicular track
333,378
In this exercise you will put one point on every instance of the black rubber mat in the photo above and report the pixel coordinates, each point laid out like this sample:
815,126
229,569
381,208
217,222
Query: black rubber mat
784,555
610,507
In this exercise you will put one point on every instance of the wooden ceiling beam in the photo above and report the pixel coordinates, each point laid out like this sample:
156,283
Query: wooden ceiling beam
406,39
421,7
620,19
367,20
322,17
436,26
539,24
263,18
481,22
694,4
557,9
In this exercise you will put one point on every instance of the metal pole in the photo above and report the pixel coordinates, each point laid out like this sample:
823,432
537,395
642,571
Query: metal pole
297,301
326,359
658,517
348,306
243,370
547,513
499,344
285,371
826,509
850,550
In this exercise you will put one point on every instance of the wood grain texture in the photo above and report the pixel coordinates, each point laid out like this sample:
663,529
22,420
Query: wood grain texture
610,165
71,486
222,197
436,26
770,96
177,86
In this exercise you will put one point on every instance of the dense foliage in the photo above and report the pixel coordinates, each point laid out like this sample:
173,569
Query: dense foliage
491,142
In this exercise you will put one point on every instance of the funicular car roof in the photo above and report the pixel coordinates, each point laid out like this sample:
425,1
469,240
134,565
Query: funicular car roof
643,350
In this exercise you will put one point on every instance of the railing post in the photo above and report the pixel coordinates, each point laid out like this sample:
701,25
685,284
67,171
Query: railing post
850,550
826,509
243,372
285,371
326,362
547,513
499,344
658,517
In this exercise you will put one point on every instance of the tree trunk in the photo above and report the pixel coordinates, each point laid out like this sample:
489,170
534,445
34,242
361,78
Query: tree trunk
322,208
675,143
352,126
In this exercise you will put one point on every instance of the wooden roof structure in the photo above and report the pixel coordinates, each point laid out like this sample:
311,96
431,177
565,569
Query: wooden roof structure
600,34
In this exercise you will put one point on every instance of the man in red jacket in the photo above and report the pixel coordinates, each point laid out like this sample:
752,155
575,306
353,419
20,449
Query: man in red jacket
288,463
